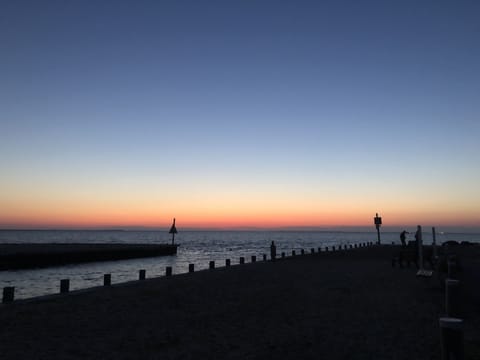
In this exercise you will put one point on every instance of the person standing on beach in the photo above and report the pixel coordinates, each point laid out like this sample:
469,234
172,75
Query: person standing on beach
403,237
273,251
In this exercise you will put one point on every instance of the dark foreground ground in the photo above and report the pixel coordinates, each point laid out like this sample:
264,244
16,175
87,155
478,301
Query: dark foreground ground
350,305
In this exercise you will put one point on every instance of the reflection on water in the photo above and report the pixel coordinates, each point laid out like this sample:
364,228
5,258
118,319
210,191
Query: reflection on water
197,247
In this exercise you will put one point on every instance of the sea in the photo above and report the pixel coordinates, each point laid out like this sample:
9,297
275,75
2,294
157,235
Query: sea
195,247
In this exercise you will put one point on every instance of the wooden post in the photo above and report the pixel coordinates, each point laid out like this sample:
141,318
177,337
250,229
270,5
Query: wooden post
107,279
319,249
64,286
420,247
451,338
191,268
452,297
8,294
283,254
435,253
452,267
227,262
293,252
302,252
242,260
312,251
333,248
211,265
264,257
141,274
254,258
326,248
168,271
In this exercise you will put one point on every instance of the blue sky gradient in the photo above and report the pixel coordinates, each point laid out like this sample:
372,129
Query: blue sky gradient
181,101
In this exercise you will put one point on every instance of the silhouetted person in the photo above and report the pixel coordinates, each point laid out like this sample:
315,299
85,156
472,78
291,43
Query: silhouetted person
418,234
273,251
403,237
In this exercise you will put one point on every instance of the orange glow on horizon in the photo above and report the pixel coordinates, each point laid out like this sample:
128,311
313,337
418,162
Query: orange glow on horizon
228,220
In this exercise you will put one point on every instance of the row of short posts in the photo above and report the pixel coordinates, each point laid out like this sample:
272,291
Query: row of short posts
9,291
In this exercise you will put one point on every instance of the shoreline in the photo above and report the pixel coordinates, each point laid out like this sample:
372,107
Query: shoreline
348,304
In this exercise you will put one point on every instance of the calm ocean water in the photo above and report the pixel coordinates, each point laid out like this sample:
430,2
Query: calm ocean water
197,247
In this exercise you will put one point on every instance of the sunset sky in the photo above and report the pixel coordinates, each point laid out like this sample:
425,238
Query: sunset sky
239,113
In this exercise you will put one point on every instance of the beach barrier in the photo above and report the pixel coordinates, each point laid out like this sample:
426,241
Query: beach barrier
8,294
452,297
107,279
64,286
451,338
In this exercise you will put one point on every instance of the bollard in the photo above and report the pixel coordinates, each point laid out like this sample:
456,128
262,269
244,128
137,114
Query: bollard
312,251
242,260
452,269
8,294
319,249
227,262
451,338
264,257
355,246
191,268
452,297
211,265
351,246
64,286
283,254
293,252
333,248
326,248
345,247
302,252
168,271
107,279
141,274
254,258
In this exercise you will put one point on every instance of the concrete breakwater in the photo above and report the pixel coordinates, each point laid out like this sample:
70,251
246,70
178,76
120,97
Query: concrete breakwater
24,256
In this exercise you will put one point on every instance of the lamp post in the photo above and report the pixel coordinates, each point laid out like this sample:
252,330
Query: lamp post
378,222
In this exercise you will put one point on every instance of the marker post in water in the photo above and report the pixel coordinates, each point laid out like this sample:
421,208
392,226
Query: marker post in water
173,231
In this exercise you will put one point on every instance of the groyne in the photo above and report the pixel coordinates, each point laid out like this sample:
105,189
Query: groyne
25,256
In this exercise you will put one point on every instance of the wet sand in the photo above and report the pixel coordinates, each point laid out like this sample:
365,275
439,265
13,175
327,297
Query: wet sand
348,305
